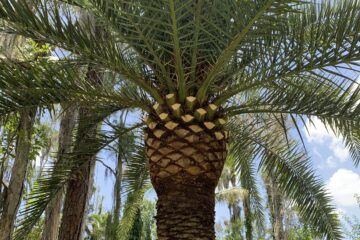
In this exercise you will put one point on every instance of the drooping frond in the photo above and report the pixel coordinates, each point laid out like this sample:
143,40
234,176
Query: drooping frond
136,183
245,166
311,96
57,175
44,82
298,181
62,27
349,132
293,171
231,195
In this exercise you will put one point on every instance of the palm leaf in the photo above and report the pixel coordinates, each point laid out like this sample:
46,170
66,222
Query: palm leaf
136,183
293,172
57,175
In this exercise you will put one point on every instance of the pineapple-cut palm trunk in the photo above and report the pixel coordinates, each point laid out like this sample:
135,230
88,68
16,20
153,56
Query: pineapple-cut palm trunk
186,160
52,214
79,187
18,174
186,212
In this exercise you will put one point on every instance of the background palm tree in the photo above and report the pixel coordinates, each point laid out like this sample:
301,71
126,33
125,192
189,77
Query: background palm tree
275,204
16,185
24,131
191,66
53,211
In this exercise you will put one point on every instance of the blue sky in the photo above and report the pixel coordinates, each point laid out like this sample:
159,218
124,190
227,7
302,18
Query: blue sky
333,163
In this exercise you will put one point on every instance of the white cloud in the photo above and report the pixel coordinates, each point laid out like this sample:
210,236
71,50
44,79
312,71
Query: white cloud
318,133
331,162
343,185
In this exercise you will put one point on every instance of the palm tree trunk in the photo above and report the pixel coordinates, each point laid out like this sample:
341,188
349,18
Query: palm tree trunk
16,185
90,192
185,166
248,218
235,206
8,137
80,186
276,208
52,215
117,189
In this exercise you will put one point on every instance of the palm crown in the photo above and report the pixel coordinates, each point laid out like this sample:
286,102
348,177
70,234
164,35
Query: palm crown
258,62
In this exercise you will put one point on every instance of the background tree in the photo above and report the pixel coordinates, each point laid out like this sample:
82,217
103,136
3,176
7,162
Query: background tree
353,222
230,192
52,214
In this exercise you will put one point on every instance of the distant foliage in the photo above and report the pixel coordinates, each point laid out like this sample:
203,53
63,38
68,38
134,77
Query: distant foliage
353,223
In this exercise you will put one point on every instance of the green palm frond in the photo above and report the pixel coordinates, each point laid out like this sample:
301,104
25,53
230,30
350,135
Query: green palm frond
62,27
259,16
297,180
136,183
324,37
310,96
304,96
56,176
45,82
244,164
293,171
231,195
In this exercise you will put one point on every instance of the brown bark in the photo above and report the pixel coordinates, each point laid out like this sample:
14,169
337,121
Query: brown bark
11,136
186,211
16,185
185,166
52,214
75,205
79,187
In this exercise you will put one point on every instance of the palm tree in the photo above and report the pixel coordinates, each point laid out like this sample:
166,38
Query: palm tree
191,66
79,187
14,191
16,185
276,208
8,135
53,211
124,149
232,194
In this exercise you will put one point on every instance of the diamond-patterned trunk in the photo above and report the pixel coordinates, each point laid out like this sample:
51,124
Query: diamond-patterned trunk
185,163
